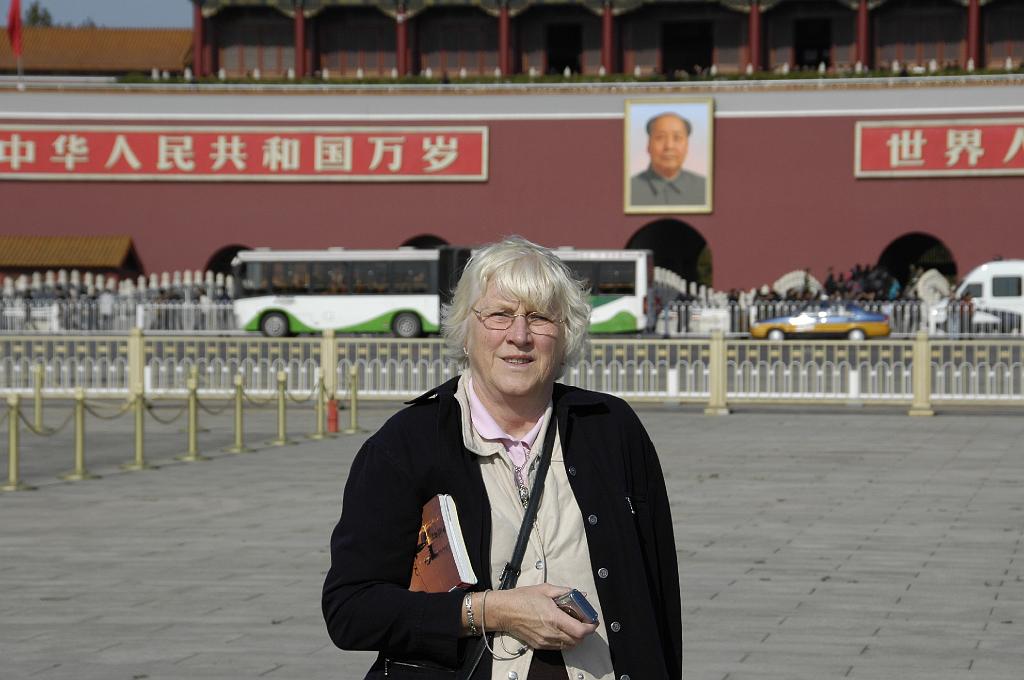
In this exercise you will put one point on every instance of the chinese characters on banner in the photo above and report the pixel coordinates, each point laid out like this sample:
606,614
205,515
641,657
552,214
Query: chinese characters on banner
238,154
940,148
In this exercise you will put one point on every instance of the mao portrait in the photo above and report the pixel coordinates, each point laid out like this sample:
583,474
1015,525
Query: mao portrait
668,156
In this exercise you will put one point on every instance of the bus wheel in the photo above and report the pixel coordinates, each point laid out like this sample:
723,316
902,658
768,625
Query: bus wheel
274,325
407,325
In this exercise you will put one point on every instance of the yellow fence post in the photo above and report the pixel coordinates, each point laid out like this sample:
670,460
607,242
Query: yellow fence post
137,384
353,396
14,482
318,410
239,445
37,420
192,454
329,364
921,375
282,410
79,473
717,377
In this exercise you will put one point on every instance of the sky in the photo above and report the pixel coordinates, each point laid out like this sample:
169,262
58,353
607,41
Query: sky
139,13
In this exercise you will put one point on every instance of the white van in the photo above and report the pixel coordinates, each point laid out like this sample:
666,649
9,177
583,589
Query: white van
997,295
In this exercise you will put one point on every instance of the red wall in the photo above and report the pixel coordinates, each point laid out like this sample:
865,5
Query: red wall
785,198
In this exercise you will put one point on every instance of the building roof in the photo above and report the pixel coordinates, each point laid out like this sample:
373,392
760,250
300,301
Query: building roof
66,252
100,50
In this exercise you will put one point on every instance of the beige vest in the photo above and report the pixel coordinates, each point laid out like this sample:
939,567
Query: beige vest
557,552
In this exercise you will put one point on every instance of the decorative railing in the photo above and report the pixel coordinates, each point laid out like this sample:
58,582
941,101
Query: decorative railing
716,371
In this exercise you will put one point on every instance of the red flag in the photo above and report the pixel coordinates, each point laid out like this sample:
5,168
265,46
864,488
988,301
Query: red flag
14,27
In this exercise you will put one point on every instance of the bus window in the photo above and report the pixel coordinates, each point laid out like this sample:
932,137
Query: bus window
1006,286
583,271
410,277
254,279
616,278
369,278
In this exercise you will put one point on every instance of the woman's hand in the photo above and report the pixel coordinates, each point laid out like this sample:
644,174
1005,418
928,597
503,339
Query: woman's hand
530,615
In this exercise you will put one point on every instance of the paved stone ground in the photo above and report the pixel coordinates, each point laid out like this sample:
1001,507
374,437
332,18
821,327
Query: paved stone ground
813,545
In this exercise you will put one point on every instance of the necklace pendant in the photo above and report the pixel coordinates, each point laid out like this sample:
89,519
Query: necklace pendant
524,496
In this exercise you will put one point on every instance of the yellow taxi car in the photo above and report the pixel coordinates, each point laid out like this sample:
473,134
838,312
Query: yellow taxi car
825,319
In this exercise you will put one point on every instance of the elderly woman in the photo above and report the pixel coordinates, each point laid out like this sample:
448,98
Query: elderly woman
602,525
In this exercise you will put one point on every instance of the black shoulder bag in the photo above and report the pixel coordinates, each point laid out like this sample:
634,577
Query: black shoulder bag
510,574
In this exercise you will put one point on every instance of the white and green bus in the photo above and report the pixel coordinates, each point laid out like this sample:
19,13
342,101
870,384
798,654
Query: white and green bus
620,286
281,292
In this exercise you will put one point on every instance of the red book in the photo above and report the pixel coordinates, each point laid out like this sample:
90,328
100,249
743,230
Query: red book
442,563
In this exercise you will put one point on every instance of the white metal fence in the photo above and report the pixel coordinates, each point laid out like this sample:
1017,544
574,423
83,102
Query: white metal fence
116,315
677,320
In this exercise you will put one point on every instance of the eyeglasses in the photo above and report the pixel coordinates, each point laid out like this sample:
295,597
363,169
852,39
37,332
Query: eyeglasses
502,321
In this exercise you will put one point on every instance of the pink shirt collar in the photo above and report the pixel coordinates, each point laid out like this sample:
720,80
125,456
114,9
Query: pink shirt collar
488,428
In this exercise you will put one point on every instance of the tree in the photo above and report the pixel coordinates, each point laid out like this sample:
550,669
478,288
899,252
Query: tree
38,15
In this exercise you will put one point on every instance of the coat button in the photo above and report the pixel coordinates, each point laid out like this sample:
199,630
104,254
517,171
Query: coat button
539,564
602,572
512,675
616,627
579,676
592,519
572,471
623,677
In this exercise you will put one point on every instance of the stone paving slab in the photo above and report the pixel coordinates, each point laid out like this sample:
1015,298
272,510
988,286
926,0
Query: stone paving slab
827,544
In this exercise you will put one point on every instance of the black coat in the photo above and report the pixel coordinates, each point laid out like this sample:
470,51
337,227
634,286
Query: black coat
614,473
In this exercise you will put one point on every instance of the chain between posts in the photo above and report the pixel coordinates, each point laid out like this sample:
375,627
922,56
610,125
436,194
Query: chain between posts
45,431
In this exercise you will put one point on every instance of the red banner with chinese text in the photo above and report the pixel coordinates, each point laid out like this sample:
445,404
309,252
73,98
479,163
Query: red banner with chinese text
262,154
940,148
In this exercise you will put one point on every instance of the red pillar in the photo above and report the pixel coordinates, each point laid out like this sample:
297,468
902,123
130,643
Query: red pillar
300,41
862,34
504,57
400,42
974,32
197,40
755,34
608,39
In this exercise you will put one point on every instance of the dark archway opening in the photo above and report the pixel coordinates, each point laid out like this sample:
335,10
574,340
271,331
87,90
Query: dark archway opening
220,261
915,251
676,246
564,48
812,42
686,46
425,242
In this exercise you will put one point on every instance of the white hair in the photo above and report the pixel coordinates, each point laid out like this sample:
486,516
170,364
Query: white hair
528,273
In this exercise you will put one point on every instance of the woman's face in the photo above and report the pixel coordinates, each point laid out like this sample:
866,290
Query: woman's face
513,363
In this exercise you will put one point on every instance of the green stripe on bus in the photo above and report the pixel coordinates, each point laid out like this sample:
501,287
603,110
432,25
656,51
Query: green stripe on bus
598,300
623,322
380,324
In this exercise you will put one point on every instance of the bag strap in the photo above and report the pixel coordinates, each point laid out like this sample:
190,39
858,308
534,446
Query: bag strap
510,574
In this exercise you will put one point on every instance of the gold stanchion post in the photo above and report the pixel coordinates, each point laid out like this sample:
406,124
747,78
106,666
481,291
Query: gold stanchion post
14,482
282,410
239,445
140,421
192,454
353,395
79,473
37,419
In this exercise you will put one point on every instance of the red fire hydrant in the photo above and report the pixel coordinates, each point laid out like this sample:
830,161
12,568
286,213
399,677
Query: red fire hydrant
332,415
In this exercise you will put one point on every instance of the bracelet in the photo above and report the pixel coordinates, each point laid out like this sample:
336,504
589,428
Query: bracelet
468,603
